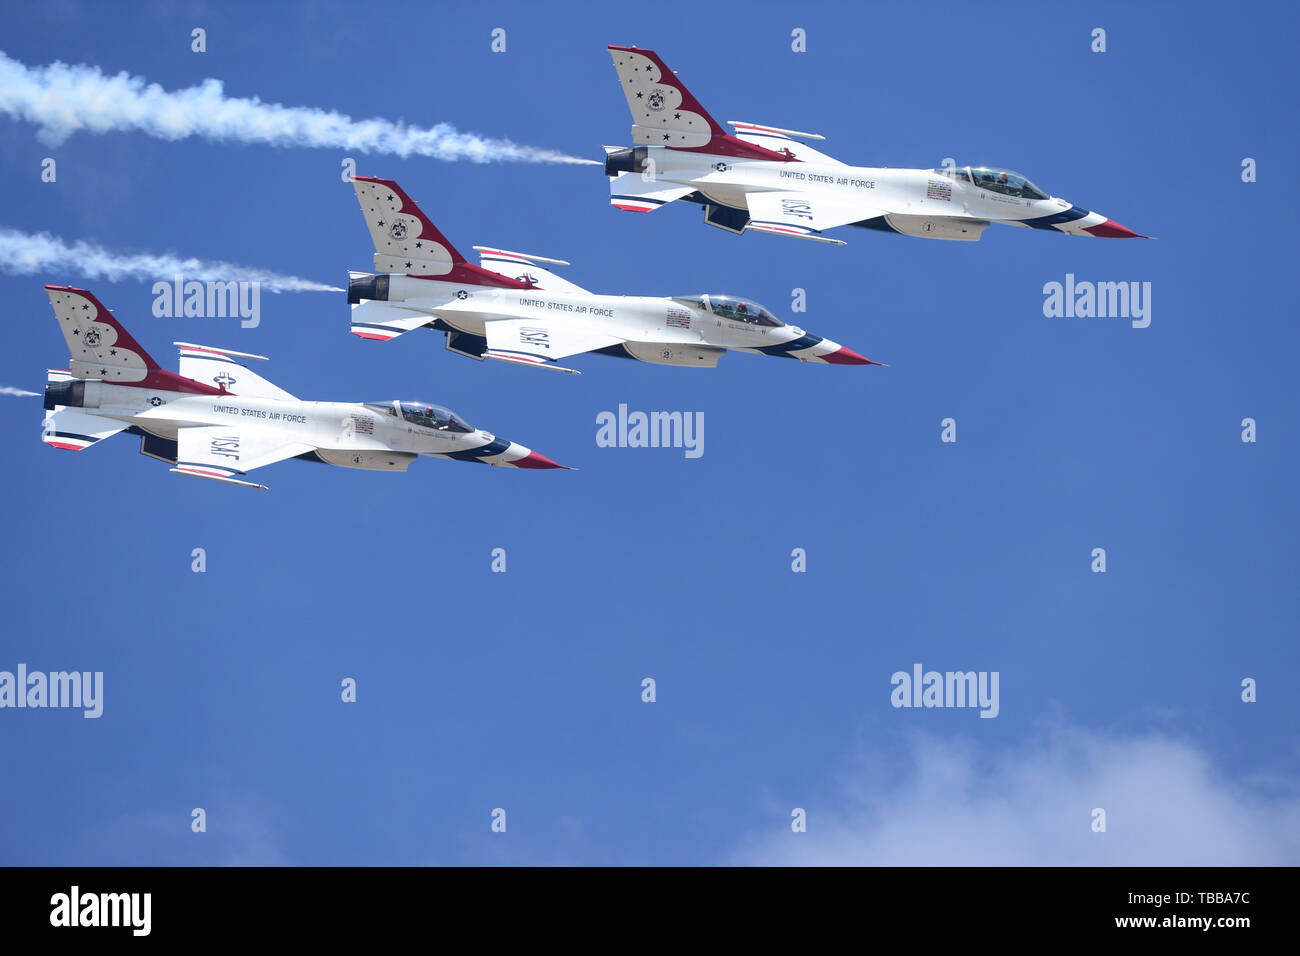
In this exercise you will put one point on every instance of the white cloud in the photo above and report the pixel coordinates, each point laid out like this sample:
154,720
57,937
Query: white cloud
960,804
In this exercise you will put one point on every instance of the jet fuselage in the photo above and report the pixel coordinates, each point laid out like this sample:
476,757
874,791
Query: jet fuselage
655,329
333,426
918,202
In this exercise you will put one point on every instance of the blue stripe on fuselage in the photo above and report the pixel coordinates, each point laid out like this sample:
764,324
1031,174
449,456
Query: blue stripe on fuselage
495,447
784,350
1073,214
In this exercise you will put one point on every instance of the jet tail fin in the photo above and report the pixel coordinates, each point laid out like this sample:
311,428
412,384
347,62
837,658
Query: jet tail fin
100,348
406,241
664,113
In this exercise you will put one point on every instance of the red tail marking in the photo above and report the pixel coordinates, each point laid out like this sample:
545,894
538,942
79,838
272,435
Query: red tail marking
461,270
722,143
411,208
156,377
103,315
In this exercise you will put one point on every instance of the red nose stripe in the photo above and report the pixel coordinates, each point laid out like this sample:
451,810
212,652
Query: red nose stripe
1110,229
534,460
847,357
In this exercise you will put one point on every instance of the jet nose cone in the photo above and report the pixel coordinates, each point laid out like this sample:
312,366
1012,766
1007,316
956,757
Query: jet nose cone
537,460
846,356
1110,229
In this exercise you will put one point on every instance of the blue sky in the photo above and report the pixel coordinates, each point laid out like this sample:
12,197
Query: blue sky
522,690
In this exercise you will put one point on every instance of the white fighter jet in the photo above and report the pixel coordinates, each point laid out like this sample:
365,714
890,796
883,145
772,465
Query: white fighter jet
512,309
766,179
218,419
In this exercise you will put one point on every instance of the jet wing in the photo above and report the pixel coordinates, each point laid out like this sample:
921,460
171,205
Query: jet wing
223,452
804,215
540,342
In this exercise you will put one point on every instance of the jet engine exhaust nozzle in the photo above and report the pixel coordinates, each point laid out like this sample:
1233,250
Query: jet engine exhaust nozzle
71,394
367,287
630,160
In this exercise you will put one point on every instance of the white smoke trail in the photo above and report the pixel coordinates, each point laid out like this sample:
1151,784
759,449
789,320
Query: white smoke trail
63,100
21,393
22,253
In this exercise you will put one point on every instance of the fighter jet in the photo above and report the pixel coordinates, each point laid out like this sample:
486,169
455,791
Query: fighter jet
766,179
218,419
512,309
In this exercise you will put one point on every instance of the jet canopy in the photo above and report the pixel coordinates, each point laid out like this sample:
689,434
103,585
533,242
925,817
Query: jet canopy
423,414
995,179
732,309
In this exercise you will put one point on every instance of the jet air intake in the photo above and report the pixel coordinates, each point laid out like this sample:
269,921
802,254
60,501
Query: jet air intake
367,287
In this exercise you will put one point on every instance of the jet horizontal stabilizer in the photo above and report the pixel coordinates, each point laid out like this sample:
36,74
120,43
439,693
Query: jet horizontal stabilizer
381,322
72,429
